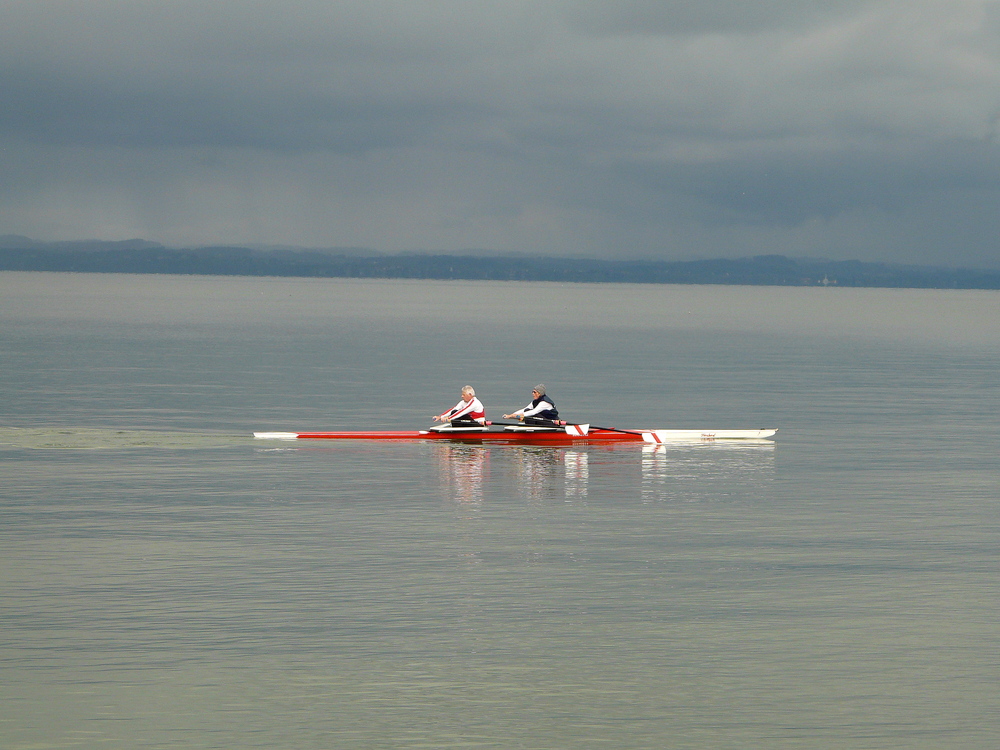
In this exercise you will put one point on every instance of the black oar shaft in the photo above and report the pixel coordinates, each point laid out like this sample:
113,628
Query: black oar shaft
608,429
561,423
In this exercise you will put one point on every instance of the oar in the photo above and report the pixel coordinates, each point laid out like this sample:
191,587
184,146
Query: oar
524,424
563,423
554,424
551,423
608,429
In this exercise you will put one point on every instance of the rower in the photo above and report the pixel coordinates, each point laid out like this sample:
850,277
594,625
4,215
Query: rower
541,410
469,412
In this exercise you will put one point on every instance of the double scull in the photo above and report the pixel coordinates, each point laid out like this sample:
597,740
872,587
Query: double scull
529,435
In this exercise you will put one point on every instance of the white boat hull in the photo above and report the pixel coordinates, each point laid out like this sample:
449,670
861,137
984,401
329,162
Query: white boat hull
660,437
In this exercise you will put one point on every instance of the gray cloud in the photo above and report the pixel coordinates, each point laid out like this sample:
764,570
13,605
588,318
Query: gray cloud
646,129
676,17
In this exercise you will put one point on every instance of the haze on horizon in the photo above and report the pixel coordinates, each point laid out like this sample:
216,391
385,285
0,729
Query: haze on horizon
668,129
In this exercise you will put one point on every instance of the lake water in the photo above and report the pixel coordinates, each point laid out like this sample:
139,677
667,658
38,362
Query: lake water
166,581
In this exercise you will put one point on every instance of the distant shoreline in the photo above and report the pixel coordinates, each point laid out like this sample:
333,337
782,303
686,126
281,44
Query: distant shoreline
140,257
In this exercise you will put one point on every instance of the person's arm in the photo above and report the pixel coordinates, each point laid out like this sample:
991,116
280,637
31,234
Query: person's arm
452,412
464,408
527,411
519,414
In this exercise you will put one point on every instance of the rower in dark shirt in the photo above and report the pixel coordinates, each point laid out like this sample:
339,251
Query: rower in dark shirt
541,410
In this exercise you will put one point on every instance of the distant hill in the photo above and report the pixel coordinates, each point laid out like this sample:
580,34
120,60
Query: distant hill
140,256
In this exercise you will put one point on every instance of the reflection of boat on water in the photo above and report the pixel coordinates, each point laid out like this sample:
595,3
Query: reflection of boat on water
696,470
539,470
464,470
577,464
656,472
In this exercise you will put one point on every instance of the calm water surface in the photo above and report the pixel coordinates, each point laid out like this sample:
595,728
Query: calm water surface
167,581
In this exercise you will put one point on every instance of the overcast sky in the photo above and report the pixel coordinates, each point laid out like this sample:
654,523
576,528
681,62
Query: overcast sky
672,129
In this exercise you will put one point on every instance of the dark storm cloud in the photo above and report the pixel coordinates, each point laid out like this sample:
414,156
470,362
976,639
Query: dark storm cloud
661,129
263,75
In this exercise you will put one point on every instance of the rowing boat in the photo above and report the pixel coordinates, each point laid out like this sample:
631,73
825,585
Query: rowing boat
525,435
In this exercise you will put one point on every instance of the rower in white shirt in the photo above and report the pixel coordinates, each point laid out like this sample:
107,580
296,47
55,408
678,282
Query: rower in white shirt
469,412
